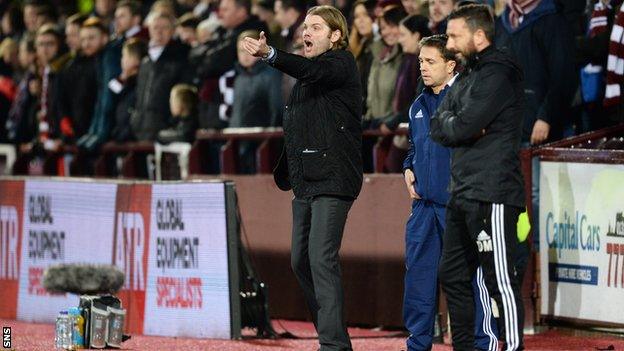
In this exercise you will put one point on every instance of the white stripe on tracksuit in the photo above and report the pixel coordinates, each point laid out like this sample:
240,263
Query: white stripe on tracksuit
502,277
487,311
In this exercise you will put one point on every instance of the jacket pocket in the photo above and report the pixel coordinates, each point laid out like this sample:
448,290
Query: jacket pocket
316,165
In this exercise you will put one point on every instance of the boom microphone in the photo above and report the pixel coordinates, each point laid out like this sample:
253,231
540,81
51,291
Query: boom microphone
83,279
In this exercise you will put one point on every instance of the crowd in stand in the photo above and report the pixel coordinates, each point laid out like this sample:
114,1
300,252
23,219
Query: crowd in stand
87,72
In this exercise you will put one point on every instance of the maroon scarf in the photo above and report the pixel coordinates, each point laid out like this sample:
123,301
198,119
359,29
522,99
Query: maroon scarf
615,62
519,8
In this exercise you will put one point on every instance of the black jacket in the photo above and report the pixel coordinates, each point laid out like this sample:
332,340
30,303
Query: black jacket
151,113
78,87
322,125
213,59
488,96
183,131
123,106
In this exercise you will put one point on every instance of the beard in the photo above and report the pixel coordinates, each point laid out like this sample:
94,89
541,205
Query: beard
466,54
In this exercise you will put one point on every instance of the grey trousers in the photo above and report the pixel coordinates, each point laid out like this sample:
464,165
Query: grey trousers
318,225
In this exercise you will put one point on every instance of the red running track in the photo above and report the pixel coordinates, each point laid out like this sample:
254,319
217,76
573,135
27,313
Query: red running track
36,337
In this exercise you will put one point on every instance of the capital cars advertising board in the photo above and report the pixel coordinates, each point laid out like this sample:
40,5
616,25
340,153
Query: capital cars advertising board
582,241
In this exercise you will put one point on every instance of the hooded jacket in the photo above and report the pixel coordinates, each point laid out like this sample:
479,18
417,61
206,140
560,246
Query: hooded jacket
481,119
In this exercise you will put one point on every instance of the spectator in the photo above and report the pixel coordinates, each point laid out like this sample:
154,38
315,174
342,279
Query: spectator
411,30
8,66
185,6
215,60
387,58
31,8
540,40
165,66
50,61
78,82
8,58
256,101
183,107
206,9
72,32
123,89
166,7
12,22
186,29
290,15
127,26
128,22
265,11
412,7
105,11
46,14
206,29
360,41
21,121
438,12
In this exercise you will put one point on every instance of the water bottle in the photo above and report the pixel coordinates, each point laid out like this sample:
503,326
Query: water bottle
63,336
78,326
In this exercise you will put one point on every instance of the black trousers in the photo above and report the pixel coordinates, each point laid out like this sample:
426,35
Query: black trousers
481,233
318,224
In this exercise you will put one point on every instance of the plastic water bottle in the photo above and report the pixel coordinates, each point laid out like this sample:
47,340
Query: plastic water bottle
78,326
63,336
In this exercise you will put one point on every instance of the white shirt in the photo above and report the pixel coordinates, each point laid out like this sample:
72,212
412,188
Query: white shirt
155,52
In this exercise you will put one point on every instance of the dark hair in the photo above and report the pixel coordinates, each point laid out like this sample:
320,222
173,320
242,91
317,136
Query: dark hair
476,17
29,41
133,6
188,20
463,3
266,4
368,4
35,3
439,42
95,22
48,11
14,13
135,47
417,24
76,19
394,15
298,5
245,4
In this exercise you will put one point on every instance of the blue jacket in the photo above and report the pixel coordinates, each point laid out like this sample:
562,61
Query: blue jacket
430,161
543,45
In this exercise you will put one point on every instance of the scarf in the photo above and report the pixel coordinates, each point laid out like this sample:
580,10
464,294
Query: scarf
519,8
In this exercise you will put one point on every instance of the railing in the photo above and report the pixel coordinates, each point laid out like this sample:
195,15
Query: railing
212,152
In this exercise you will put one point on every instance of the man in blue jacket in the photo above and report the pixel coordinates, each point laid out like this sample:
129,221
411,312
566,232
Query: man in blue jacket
427,173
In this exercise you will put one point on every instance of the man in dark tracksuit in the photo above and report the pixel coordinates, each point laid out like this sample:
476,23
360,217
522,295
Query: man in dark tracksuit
481,119
427,173
322,163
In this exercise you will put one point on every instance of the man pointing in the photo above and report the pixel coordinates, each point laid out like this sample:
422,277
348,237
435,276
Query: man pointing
321,161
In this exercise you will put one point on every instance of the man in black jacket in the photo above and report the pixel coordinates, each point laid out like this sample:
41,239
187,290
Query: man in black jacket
165,66
481,119
322,127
